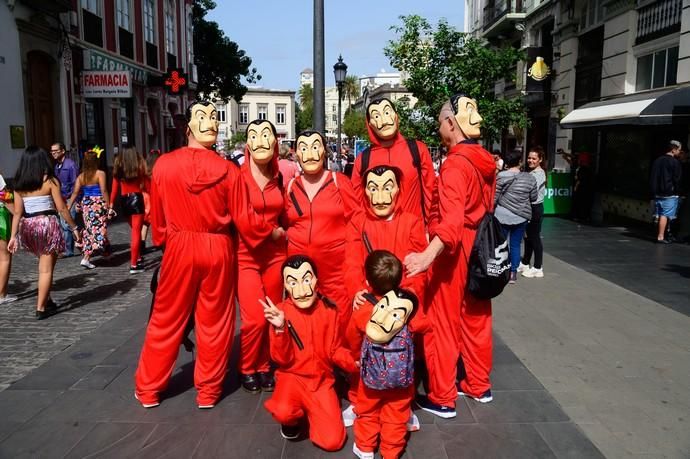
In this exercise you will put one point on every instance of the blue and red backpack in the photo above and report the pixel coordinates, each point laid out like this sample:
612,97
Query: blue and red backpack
390,365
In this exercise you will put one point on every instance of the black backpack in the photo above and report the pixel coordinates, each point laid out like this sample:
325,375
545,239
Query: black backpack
489,266
416,162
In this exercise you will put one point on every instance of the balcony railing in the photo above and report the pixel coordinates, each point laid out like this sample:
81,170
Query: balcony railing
658,19
496,10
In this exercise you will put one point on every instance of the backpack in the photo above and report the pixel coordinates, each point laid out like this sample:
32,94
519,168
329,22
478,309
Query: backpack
416,162
489,263
390,365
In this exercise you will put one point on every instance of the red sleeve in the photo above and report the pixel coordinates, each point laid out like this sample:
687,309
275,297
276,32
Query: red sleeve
252,228
355,330
452,196
354,263
158,222
428,178
417,244
115,191
340,355
347,194
419,323
281,347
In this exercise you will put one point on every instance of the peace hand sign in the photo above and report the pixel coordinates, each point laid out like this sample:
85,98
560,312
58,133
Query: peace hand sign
275,316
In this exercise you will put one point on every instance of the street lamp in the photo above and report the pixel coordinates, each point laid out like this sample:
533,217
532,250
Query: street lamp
340,71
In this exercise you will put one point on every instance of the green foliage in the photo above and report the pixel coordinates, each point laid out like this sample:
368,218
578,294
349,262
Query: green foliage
304,116
442,61
355,124
350,89
220,62
237,137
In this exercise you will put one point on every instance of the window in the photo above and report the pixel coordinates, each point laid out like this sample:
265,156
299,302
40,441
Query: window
91,6
263,111
592,14
335,118
244,114
150,21
657,69
221,115
190,39
170,27
123,14
280,114
92,23
334,107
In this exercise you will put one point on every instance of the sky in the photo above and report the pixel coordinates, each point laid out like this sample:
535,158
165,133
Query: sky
277,34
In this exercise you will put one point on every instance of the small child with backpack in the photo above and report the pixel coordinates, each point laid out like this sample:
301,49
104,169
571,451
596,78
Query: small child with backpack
383,329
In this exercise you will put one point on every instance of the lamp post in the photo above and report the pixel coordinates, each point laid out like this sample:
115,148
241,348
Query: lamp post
340,71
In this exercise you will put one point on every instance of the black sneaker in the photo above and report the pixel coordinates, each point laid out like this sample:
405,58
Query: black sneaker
267,381
251,383
290,432
40,315
136,269
445,412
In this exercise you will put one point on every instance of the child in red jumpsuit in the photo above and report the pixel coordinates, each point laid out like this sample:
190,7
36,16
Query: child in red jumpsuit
259,267
306,344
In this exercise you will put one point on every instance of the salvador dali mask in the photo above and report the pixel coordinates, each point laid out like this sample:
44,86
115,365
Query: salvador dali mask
261,141
203,124
382,190
383,119
388,317
467,116
300,284
310,152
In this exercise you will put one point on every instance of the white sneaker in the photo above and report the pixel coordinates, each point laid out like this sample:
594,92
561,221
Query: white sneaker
349,416
146,405
413,423
522,267
362,454
533,272
8,299
87,264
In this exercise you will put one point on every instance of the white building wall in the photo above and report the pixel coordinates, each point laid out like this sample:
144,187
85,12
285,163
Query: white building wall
684,50
12,113
617,38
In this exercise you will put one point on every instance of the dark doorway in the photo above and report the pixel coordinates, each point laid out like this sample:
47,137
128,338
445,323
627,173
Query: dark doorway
40,102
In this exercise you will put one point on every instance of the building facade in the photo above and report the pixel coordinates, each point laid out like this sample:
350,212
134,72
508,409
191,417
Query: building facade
274,105
90,72
618,87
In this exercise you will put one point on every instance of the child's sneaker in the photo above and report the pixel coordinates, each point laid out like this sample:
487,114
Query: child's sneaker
87,264
349,416
533,272
362,454
413,423
522,267
289,432
136,269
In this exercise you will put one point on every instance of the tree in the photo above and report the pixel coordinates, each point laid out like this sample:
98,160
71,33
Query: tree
220,62
351,89
306,113
355,124
442,61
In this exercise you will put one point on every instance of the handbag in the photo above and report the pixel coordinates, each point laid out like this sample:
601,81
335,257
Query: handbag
132,204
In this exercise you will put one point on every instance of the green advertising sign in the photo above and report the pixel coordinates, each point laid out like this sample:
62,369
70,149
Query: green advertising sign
559,193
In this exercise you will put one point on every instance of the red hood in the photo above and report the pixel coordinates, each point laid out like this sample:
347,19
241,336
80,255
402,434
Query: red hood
478,156
202,172
274,159
376,142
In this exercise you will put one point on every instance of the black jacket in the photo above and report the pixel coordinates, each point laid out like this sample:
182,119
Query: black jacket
665,178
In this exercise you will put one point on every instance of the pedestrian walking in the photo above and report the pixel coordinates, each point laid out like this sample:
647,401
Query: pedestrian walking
150,162
66,172
129,183
38,202
6,211
664,185
533,243
95,209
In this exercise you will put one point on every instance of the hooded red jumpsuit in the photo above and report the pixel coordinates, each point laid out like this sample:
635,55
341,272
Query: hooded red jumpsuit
460,323
304,378
195,197
382,415
399,155
317,229
259,271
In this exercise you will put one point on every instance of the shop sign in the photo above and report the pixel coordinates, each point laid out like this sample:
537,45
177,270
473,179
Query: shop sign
559,193
106,84
94,60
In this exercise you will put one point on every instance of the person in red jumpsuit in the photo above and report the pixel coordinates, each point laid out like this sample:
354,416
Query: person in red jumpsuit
306,344
195,197
318,205
461,323
388,146
259,267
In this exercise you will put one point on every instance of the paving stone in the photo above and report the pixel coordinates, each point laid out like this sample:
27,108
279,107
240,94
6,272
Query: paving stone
568,441
241,441
518,406
21,406
98,378
113,440
53,439
495,441
513,376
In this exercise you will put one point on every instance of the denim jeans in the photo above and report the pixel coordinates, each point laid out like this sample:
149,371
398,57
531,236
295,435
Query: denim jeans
67,233
514,234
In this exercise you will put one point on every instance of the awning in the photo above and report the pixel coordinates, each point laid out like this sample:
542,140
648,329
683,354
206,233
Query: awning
666,106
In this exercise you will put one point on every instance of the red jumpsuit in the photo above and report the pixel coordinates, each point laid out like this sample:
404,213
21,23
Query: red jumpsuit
401,235
381,413
399,155
136,222
304,378
460,323
317,229
195,197
259,272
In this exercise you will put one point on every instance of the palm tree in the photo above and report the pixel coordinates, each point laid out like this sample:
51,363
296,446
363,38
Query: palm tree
351,89
306,96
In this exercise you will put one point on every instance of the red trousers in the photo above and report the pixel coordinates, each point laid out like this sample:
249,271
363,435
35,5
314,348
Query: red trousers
259,276
291,401
460,326
382,417
135,222
193,280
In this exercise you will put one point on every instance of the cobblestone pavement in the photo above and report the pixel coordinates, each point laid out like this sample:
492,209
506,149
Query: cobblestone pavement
87,299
